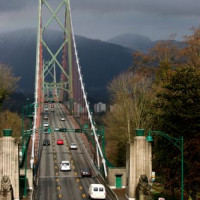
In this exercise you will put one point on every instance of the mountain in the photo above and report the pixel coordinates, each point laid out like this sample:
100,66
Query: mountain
139,42
100,61
133,41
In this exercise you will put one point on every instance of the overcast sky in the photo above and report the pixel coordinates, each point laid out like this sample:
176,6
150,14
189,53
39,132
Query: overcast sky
103,19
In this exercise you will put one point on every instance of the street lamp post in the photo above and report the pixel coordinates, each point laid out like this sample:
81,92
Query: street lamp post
178,142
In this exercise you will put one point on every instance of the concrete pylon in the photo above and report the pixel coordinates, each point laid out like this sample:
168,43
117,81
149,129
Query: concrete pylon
9,161
138,162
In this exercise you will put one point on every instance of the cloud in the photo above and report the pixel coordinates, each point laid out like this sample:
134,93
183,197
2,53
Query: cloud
155,7
170,7
13,5
103,19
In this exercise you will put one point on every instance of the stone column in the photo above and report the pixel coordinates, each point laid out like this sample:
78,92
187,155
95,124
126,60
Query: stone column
9,161
138,162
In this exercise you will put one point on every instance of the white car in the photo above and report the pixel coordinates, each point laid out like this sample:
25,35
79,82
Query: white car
62,119
73,146
56,129
65,166
46,124
97,191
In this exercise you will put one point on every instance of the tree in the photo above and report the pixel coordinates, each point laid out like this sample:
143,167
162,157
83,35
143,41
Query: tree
191,52
158,63
9,120
179,115
131,98
8,82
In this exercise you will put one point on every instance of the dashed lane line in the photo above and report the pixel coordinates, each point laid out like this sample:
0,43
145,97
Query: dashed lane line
77,180
80,187
57,180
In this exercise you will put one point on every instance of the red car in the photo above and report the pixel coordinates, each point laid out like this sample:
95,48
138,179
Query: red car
60,142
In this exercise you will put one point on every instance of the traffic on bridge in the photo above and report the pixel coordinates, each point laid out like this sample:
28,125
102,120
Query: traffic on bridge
55,182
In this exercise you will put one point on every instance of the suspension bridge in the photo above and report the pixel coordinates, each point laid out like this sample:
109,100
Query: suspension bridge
60,111
59,132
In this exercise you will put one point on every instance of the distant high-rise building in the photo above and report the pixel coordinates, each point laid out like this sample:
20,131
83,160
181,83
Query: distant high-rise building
99,107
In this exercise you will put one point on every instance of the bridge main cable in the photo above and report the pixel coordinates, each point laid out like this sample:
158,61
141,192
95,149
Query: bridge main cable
85,99
37,84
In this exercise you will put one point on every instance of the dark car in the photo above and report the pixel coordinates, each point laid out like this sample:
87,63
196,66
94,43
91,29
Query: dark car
46,131
86,172
63,130
46,142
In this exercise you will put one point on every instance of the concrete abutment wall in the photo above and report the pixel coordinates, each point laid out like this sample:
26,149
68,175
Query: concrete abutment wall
9,162
138,162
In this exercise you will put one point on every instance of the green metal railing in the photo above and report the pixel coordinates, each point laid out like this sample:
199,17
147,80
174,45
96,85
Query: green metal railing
26,132
101,134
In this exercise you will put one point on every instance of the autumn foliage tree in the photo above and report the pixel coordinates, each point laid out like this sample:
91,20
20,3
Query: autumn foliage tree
131,96
10,120
8,82
190,54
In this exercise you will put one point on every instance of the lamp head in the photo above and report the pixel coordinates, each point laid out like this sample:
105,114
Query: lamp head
149,137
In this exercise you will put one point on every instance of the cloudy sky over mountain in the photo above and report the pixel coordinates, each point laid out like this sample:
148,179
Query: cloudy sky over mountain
103,19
